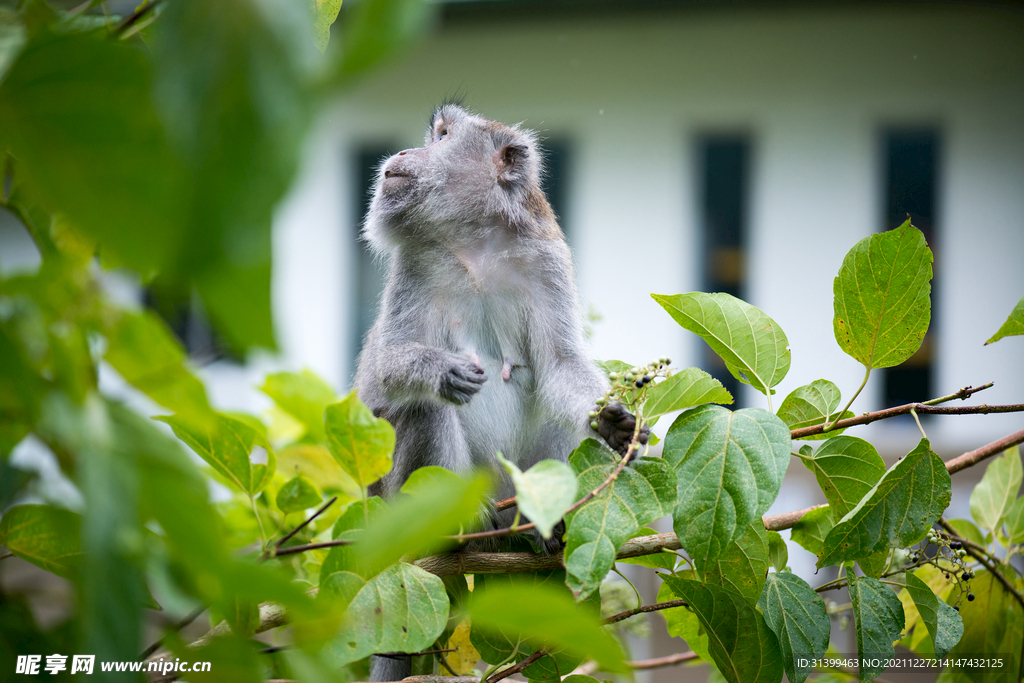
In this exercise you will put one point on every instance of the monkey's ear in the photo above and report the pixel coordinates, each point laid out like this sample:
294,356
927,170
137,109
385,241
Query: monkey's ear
511,161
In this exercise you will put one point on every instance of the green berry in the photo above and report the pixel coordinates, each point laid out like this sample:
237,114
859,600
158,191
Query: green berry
593,414
601,401
593,425
629,377
613,375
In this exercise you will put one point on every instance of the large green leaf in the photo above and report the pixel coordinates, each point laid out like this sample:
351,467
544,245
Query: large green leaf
993,496
546,615
811,529
684,389
778,552
297,494
753,346
878,615
77,115
374,30
402,609
147,355
12,39
544,492
743,647
1014,524
228,444
349,525
798,618
897,512
46,536
881,294
942,621
811,405
1014,324
743,565
846,469
361,443
641,494
680,622
993,626
303,396
729,467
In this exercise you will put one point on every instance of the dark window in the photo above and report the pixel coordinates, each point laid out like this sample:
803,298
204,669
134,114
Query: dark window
723,202
369,272
187,318
911,162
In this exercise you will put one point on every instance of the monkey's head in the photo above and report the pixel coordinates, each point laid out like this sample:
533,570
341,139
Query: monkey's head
471,175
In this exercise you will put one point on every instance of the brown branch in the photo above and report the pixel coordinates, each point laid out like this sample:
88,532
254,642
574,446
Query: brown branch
977,455
786,520
615,618
505,673
920,408
299,528
312,546
657,662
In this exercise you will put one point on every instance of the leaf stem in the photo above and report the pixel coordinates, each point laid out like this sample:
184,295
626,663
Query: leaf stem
259,520
639,600
805,458
849,403
918,421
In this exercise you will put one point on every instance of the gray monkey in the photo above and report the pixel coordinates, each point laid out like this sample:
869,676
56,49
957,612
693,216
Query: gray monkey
479,345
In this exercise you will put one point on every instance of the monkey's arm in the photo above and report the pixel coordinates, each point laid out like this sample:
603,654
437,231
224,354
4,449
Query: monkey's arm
398,374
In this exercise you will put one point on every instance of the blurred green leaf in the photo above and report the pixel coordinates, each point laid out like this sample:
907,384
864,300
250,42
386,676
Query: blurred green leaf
402,609
810,531
882,305
742,646
798,618
298,494
897,512
21,393
228,444
642,493
743,564
316,464
348,526
324,14
232,659
79,119
1014,324
361,443
943,622
846,469
729,466
544,492
878,616
374,30
12,39
993,622
683,623
996,492
303,396
46,536
811,405
753,346
684,389
1014,526
147,355
547,616
969,530
778,552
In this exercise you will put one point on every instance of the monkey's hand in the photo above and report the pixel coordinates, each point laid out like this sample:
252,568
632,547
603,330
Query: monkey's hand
461,380
616,425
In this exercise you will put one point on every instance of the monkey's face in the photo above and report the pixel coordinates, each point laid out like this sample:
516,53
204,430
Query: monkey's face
471,174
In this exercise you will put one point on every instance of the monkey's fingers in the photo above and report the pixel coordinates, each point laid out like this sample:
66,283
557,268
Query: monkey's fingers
461,383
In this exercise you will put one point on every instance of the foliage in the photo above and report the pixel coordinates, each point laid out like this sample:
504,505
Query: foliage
186,120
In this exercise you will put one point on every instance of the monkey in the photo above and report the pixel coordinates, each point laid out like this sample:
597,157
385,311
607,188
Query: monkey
478,347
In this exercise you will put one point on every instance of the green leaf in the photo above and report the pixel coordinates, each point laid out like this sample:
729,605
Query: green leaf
753,346
778,553
996,492
304,396
349,526
798,618
943,622
46,536
297,494
228,445
1014,525
544,614
897,512
743,647
881,294
316,464
810,531
77,114
729,467
874,565
375,30
878,615
680,622
150,358
684,389
743,565
642,493
361,443
402,609
813,404
544,492
12,39
993,623
846,469
324,14
1014,324
662,560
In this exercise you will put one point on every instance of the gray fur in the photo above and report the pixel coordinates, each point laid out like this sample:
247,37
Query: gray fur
480,279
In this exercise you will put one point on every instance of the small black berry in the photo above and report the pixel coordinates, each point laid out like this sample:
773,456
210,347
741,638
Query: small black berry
947,577
970,597
965,576
639,384
956,607
646,379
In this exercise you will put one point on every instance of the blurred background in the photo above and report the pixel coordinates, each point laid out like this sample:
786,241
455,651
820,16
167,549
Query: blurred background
741,147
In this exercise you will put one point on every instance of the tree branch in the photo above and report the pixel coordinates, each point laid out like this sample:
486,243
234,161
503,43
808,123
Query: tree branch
920,408
277,546
135,16
977,455
516,668
657,662
615,618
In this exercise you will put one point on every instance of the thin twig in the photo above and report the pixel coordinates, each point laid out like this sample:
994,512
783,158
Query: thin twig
516,668
868,418
309,519
615,618
658,662
312,546
134,17
6,555
192,616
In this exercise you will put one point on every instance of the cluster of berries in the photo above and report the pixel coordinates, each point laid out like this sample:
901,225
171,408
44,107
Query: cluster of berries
957,555
626,385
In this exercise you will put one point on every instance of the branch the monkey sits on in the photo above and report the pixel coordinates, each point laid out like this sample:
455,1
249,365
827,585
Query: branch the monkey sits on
479,344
